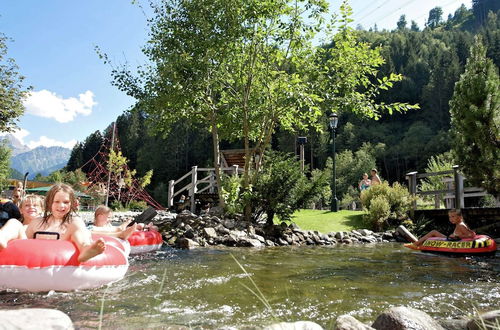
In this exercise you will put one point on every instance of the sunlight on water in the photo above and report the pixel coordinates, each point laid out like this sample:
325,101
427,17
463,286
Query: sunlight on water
206,288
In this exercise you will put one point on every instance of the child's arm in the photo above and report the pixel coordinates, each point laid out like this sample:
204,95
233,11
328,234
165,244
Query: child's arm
32,227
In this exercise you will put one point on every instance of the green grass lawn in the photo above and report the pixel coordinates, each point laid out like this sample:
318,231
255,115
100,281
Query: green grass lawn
325,221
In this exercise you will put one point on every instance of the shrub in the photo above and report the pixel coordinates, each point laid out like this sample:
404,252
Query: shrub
380,211
351,196
137,205
117,206
281,188
231,187
386,206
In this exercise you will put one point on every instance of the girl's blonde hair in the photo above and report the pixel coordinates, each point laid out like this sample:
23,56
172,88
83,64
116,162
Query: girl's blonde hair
49,199
34,199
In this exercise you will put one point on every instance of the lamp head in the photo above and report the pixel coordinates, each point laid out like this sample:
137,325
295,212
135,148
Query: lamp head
334,119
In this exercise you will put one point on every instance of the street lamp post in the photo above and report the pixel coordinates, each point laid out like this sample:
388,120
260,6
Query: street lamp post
333,121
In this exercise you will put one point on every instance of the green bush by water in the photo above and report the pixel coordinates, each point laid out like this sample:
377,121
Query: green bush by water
387,206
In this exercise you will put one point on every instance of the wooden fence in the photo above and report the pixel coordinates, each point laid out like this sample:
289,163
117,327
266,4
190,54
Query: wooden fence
198,180
455,194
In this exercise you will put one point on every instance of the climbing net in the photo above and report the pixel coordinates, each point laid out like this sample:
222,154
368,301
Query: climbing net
105,182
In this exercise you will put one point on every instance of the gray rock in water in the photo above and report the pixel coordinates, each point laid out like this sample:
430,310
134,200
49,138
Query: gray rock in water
270,243
210,232
300,325
245,241
34,318
454,324
405,318
365,232
347,322
186,243
489,320
258,237
281,241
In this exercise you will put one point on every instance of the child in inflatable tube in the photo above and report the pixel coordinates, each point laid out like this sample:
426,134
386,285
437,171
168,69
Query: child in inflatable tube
59,218
102,225
461,231
30,209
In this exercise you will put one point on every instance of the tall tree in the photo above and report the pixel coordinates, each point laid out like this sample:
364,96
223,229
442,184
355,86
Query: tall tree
481,8
435,17
401,24
475,119
76,158
226,66
5,153
12,91
347,75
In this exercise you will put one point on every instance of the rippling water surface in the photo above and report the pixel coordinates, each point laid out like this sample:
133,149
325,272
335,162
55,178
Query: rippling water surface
206,288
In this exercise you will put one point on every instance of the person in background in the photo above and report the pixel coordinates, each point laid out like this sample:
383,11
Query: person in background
8,210
103,226
17,194
31,208
365,183
375,178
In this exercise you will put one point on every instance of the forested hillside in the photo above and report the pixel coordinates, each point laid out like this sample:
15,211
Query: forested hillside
431,59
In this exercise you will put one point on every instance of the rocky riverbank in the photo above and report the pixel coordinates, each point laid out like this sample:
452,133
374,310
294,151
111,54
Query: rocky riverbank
187,230
395,318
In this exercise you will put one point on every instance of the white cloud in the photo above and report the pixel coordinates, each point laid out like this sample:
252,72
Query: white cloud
48,142
49,105
19,134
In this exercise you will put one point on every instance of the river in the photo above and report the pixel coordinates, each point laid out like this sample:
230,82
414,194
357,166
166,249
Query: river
207,289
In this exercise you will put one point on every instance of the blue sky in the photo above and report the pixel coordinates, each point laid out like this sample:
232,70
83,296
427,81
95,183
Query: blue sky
53,45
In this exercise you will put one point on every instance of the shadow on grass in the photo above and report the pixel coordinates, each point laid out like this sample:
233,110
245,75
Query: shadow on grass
355,221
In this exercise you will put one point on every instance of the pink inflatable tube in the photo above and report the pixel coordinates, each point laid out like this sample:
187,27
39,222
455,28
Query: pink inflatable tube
43,265
145,241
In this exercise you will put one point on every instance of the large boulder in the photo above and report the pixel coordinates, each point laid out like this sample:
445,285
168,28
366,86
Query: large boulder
210,232
300,325
34,318
186,243
405,318
347,322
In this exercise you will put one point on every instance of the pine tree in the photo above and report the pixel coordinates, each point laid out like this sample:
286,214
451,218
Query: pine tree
475,119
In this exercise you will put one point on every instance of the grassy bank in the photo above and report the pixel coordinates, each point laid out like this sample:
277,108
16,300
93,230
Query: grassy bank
325,221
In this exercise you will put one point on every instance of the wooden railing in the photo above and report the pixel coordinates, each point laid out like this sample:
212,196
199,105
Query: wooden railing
195,184
453,196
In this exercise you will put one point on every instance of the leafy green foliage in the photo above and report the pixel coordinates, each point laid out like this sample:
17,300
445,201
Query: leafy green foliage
386,205
475,111
231,189
351,166
12,90
5,170
281,188
137,205
351,196
347,74
438,163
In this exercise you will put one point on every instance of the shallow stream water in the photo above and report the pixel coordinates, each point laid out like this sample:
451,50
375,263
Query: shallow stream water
206,288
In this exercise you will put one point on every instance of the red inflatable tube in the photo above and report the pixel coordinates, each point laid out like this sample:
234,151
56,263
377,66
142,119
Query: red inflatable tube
480,244
145,241
44,265
120,244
